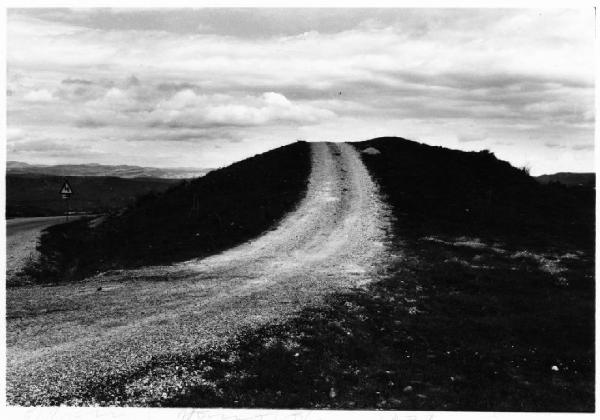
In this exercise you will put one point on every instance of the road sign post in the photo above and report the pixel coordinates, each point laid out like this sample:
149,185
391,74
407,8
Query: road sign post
65,193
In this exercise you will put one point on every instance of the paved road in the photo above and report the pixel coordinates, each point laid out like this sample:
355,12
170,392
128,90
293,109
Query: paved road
22,234
62,339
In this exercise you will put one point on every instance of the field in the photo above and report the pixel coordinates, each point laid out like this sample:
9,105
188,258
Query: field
490,305
190,219
486,300
29,195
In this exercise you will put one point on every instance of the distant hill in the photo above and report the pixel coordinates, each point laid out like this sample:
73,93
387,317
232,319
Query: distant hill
37,195
569,178
94,169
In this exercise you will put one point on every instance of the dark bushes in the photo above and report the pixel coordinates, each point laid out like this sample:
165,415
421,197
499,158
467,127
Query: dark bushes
191,219
474,193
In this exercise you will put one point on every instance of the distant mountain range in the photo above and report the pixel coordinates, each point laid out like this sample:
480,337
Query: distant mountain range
95,169
569,178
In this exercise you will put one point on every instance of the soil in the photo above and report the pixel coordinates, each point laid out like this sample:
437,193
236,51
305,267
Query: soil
64,340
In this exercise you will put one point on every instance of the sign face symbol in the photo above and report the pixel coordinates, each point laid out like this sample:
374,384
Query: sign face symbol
66,189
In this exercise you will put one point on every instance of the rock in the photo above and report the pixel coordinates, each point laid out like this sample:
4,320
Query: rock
555,368
408,389
371,151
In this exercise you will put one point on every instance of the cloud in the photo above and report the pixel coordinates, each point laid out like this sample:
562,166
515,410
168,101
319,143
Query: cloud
76,82
41,95
582,147
554,145
470,137
188,109
460,78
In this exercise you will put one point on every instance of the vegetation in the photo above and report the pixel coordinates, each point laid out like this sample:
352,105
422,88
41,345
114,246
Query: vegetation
191,219
570,178
490,305
437,190
458,325
29,195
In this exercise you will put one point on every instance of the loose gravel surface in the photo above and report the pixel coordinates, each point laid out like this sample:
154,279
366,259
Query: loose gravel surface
63,341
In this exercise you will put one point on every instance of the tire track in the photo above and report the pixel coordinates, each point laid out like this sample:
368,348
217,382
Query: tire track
334,240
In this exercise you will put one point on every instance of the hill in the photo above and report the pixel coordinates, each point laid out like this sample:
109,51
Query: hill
489,286
193,218
474,193
95,169
569,178
29,195
492,288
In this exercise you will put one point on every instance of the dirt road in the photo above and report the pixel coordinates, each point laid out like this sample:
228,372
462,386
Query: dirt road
21,239
62,340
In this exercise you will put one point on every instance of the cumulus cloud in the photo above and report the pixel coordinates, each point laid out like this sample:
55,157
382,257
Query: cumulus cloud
186,108
461,78
41,95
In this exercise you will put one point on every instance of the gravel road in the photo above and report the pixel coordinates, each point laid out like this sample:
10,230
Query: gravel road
62,339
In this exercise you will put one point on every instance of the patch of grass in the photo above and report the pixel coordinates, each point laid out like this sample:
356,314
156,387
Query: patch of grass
192,219
451,329
475,194
30,195
502,320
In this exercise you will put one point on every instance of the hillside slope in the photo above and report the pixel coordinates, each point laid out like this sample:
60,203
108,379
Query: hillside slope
587,179
95,169
489,305
29,195
474,193
482,299
124,325
189,220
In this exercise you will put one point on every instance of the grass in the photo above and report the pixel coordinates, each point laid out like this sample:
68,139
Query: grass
452,328
490,307
502,322
29,195
192,219
475,194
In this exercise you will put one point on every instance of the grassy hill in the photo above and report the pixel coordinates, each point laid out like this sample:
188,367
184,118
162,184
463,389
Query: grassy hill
474,193
29,195
570,178
190,219
95,169
489,306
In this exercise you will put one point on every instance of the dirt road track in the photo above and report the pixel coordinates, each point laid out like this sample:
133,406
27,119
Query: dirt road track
61,339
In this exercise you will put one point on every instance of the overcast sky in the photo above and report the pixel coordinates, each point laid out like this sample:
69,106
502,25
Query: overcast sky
207,87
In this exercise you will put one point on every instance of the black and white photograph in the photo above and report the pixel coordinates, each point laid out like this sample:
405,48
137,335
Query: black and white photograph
325,209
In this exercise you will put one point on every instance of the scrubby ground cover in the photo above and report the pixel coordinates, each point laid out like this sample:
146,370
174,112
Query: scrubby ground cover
189,220
460,324
30,195
491,306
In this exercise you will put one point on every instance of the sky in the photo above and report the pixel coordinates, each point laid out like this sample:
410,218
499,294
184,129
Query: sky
206,87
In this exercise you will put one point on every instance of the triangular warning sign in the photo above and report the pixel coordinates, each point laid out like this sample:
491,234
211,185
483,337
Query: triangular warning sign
66,188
